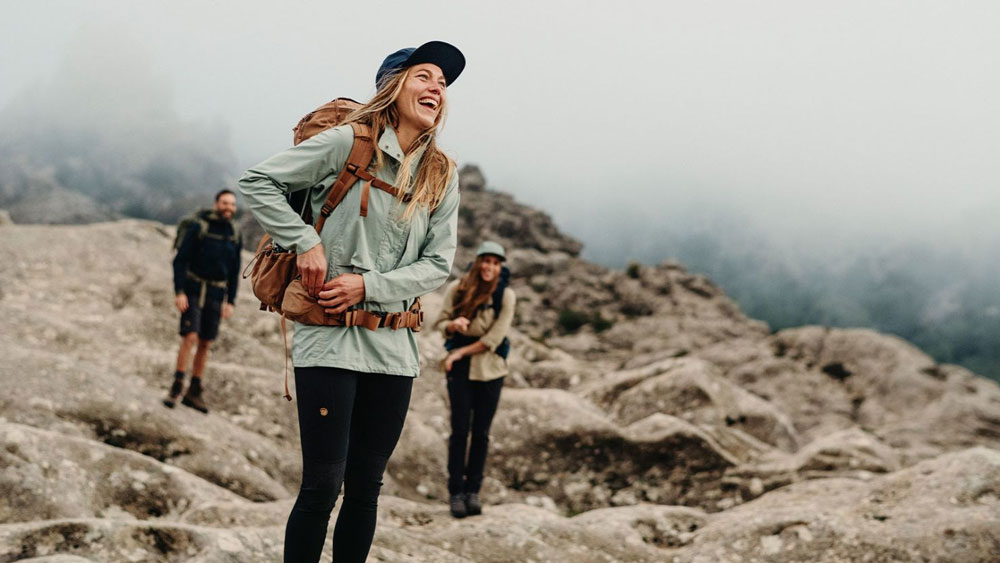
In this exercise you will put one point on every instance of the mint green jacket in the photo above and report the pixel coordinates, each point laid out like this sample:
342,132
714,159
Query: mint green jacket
399,260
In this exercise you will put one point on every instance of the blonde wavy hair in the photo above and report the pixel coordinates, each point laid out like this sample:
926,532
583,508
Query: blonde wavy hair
436,168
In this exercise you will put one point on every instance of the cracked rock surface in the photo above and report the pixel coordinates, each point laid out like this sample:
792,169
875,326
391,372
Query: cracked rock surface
645,419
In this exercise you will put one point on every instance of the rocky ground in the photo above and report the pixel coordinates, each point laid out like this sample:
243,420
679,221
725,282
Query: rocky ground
645,419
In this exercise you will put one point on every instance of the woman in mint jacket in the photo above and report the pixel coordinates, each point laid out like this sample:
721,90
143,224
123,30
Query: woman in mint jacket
353,384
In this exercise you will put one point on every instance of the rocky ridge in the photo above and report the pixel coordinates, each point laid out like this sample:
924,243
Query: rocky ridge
645,419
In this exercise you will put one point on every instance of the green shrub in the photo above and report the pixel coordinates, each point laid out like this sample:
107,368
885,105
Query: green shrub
539,283
600,323
634,270
571,321
636,307
466,214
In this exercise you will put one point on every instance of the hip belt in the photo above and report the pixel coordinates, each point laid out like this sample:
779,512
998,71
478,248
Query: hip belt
204,285
297,305
374,321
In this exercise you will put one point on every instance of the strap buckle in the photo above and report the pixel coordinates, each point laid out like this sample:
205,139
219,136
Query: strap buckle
394,320
369,320
350,317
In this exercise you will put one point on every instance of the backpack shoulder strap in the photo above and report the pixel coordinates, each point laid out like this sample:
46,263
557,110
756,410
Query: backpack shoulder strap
202,227
356,168
500,290
236,231
357,161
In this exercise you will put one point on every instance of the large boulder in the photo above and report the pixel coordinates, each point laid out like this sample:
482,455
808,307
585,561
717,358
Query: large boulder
888,387
944,509
850,453
49,476
114,540
693,390
551,442
884,374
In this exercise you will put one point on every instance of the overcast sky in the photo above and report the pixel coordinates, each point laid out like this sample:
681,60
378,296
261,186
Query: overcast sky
814,119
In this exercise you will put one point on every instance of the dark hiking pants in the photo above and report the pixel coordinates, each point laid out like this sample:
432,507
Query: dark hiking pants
475,402
349,424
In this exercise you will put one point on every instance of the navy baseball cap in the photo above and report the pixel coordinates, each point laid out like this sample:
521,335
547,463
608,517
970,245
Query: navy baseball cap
447,57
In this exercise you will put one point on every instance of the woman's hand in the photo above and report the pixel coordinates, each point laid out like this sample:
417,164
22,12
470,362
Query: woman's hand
461,324
451,359
312,268
181,302
343,291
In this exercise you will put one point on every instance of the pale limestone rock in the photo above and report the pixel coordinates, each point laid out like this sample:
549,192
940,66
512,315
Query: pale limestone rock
943,509
666,395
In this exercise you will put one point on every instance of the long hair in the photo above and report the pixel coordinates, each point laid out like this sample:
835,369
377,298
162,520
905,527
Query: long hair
435,167
472,292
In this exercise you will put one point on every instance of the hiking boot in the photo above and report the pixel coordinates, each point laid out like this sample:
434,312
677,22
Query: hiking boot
193,396
457,503
472,505
174,393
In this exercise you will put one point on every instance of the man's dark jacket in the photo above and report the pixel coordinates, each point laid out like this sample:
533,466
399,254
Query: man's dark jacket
214,257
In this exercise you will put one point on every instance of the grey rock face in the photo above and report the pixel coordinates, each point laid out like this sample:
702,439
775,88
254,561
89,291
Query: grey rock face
645,419
944,509
471,179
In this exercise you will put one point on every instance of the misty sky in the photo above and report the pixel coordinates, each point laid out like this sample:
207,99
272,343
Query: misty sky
814,121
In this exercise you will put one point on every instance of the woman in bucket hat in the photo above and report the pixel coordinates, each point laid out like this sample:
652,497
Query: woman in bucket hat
476,317
353,383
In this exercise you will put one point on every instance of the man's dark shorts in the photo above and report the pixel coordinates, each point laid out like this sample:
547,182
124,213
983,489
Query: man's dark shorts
205,319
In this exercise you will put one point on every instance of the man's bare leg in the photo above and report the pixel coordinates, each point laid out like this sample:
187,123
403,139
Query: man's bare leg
184,353
183,357
200,358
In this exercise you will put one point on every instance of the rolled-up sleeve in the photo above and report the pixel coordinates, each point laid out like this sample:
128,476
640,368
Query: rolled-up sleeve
501,326
433,266
301,167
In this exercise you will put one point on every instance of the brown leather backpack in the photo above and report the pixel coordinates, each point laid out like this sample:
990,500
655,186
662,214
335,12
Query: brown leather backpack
326,116
274,266
274,276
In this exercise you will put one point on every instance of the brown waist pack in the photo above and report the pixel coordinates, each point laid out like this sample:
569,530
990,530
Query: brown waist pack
280,289
301,307
273,269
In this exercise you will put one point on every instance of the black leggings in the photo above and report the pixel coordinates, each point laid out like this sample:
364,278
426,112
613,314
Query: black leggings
349,423
475,400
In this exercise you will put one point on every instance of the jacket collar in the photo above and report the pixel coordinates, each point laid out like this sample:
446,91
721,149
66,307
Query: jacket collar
389,143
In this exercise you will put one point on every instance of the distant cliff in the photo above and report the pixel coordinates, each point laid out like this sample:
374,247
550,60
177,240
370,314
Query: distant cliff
100,140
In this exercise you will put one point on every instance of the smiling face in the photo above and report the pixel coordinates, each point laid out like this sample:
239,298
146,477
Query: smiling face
489,267
225,206
422,98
